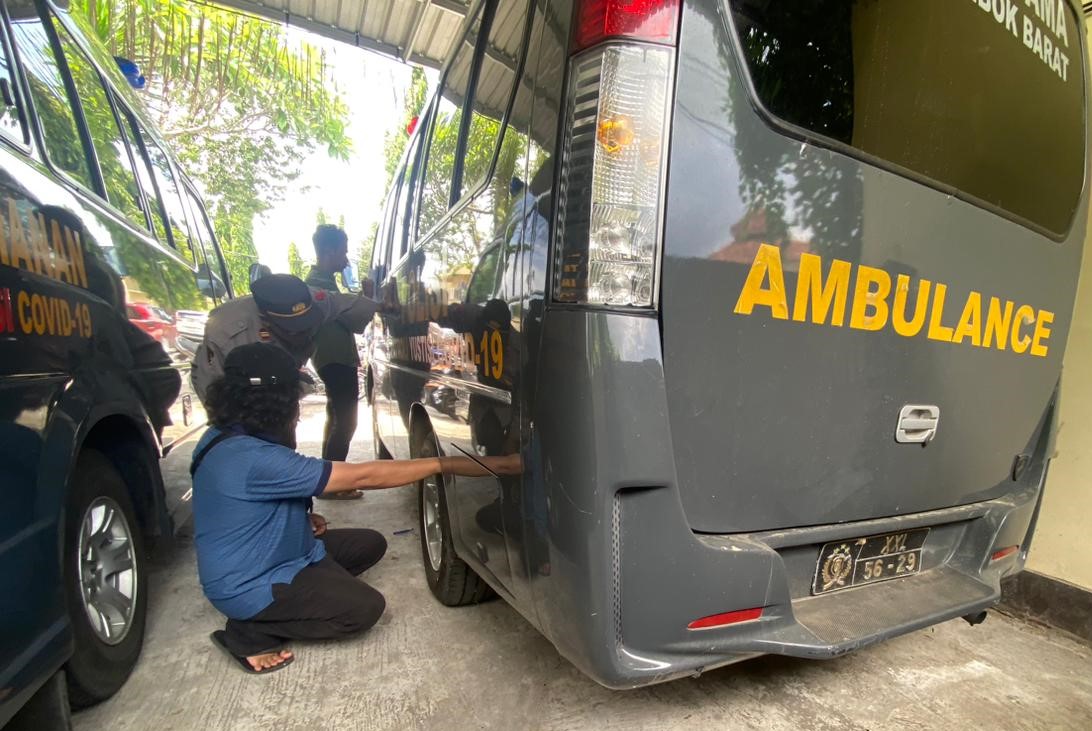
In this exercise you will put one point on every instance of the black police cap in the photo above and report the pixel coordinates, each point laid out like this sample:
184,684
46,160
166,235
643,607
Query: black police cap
261,364
287,302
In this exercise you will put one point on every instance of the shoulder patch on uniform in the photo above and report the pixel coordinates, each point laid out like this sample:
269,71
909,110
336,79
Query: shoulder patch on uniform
238,327
320,295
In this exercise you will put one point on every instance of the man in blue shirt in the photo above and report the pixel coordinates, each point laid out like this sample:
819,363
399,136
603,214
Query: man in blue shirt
264,559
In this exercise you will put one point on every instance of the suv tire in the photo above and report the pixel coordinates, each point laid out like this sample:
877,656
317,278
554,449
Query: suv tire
106,580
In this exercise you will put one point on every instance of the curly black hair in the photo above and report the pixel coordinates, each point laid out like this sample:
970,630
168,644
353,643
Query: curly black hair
270,411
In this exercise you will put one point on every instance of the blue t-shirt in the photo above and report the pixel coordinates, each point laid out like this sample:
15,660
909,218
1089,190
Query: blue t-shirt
251,528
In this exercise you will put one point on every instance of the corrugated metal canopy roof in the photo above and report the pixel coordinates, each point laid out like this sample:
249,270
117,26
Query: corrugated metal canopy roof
429,33
416,31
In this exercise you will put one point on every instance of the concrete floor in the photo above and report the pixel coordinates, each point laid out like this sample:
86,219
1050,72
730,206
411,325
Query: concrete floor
429,667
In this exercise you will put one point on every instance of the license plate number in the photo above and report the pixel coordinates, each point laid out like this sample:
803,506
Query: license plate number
853,562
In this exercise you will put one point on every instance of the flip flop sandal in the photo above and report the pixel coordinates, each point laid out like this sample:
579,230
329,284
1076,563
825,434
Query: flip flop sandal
217,638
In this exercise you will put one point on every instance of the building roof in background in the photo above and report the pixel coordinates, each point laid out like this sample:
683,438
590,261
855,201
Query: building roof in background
422,32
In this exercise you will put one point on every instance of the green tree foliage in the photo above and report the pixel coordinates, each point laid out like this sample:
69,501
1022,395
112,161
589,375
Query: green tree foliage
367,246
239,105
394,143
296,265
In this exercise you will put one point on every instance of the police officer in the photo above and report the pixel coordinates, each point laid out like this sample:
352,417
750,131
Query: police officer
281,309
335,355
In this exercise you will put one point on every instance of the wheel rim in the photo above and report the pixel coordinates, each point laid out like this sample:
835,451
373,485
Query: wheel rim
430,516
108,570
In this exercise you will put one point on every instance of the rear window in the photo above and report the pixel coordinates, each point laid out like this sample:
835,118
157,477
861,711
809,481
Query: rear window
984,96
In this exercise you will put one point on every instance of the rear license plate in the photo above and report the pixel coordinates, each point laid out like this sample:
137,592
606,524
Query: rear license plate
853,562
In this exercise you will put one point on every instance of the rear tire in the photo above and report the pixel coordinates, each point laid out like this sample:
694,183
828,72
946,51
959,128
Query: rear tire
106,582
450,579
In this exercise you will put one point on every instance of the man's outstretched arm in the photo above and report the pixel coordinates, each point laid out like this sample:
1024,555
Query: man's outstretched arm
384,474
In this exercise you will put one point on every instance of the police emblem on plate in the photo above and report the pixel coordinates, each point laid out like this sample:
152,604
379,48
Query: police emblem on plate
837,568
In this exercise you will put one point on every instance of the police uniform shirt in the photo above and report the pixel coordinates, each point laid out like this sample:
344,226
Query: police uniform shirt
334,344
239,322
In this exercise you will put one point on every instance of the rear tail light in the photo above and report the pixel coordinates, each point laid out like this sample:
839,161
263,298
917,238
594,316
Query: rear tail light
614,155
721,620
648,20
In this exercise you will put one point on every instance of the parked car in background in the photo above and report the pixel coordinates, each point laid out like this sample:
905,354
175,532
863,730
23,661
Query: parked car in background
155,321
190,330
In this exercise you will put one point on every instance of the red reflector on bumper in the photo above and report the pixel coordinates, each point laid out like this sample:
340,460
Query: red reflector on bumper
1007,551
719,620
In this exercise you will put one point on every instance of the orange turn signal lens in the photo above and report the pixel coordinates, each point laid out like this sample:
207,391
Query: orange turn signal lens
615,134
720,620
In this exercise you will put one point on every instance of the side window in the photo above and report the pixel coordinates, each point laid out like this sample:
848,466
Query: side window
145,174
62,137
203,237
110,145
493,92
399,239
381,251
484,282
172,199
202,232
11,118
444,136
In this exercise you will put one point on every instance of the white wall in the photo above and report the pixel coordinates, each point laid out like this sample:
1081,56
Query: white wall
1062,545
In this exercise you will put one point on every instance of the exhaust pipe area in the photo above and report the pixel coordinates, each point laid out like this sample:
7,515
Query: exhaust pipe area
976,618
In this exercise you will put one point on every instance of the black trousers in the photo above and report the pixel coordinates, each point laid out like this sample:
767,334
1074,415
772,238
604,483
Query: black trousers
342,396
325,601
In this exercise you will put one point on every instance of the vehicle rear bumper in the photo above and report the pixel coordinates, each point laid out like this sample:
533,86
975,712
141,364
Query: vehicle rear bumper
666,578
617,572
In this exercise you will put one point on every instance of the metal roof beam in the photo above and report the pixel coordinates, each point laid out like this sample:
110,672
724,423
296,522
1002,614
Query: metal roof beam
452,6
415,29
334,32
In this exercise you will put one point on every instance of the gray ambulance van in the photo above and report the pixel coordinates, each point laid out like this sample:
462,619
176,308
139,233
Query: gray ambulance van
770,298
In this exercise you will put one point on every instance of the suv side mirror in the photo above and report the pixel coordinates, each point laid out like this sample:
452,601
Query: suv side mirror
257,271
209,284
349,280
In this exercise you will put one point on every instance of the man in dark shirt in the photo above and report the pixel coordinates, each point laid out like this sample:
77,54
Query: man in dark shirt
264,560
335,358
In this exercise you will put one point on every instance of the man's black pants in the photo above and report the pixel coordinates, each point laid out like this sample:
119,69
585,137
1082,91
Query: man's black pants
325,601
342,396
